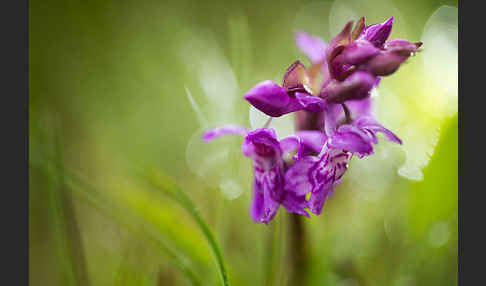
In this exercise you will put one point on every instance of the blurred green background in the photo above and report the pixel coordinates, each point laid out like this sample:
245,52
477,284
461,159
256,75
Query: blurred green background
120,94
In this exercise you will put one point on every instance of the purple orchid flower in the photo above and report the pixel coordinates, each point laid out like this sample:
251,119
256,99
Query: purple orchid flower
354,135
270,164
334,119
359,136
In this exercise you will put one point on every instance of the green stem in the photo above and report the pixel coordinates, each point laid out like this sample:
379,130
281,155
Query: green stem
297,250
267,123
298,245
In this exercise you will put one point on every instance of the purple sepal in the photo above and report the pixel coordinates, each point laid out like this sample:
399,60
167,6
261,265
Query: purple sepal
402,47
310,102
271,99
311,141
223,131
317,200
370,125
263,208
358,52
385,63
275,101
377,33
356,86
295,204
360,136
395,52
352,139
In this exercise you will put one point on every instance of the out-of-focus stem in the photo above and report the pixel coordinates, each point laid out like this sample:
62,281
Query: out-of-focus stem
297,250
298,245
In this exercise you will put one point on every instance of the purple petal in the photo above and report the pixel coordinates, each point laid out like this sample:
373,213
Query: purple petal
337,161
296,204
385,63
359,108
356,86
352,139
225,130
333,114
314,48
402,47
374,126
377,33
290,144
358,52
268,166
355,53
310,142
263,208
304,142
298,178
317,200
271,99
339,69
310,102
273,180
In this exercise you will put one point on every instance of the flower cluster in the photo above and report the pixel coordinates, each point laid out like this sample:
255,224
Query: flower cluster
331,99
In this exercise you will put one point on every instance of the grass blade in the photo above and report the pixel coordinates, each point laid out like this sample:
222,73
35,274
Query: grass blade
168,186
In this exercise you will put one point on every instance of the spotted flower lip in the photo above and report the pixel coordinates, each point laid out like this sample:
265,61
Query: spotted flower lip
267,154
317,175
